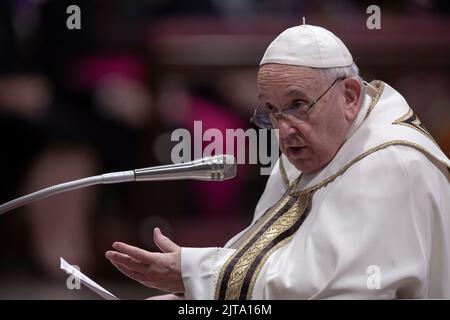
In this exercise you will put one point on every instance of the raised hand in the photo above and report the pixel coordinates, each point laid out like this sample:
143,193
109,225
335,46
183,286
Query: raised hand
153,269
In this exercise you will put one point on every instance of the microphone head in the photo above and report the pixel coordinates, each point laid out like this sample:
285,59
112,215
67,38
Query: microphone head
223,167
214,168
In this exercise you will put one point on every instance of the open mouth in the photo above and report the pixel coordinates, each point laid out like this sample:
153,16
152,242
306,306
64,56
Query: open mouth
296,152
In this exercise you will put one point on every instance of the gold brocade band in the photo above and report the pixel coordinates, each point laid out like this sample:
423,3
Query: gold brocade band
239,273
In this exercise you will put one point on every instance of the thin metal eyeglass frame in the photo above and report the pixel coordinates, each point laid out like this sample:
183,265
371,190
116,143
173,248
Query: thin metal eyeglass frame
279,114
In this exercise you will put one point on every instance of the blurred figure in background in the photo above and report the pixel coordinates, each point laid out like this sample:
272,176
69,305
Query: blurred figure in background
72,104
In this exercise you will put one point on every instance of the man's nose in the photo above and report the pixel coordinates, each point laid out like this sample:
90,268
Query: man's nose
285,128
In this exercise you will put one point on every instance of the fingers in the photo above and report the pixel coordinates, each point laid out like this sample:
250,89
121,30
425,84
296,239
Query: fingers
127,261
136,253
130,273
153,269
164,243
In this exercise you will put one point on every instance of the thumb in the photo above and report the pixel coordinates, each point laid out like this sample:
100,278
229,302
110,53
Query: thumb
164,243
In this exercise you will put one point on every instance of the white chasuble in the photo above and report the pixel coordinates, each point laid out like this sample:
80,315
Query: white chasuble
374,223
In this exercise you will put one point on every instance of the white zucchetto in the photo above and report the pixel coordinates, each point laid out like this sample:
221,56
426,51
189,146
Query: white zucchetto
308,46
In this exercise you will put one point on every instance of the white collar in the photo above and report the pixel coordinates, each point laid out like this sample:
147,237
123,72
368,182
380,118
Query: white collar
360,116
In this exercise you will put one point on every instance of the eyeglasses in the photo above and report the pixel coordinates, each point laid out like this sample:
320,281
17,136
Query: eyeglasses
300,109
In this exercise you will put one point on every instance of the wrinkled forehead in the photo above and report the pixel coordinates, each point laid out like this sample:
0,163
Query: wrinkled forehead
280,76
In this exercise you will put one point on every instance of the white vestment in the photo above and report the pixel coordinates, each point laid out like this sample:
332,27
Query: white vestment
372,224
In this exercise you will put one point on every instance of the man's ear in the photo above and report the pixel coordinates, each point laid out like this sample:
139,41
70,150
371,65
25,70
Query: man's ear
352,95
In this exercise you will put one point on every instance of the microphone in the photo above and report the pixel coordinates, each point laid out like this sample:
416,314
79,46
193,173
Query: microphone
214,168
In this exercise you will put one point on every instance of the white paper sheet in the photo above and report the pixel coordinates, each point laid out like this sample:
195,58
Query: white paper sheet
105,294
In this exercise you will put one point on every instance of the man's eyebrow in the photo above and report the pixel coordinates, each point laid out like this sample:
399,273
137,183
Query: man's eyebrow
296,91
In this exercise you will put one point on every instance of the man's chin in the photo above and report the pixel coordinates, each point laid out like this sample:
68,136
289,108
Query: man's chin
304,165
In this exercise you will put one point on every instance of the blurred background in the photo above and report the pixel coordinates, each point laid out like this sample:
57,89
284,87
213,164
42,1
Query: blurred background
75,103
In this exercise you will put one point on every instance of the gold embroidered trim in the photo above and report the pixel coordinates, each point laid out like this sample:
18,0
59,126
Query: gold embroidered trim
261,264
362,156
411,120
305,200
278,227
374,90
243,265
283,172
267,216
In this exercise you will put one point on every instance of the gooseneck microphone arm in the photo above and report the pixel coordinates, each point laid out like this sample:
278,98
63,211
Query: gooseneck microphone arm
215,168
115,177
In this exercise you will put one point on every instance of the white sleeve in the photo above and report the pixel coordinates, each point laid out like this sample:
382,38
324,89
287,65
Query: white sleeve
200,268
370,234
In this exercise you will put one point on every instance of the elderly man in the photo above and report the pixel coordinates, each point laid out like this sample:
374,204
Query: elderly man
357,207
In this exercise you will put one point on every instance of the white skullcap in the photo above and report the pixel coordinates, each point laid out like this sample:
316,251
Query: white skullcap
308,46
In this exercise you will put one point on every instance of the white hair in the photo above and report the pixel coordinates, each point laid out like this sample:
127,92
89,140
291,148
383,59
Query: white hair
331,74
